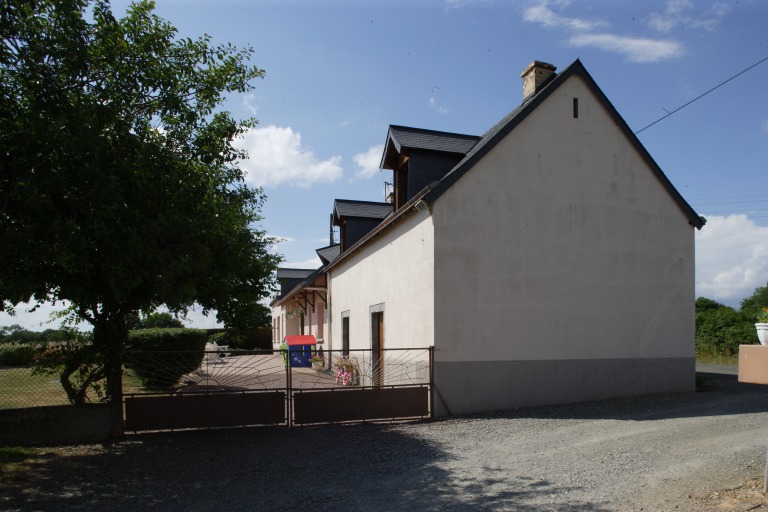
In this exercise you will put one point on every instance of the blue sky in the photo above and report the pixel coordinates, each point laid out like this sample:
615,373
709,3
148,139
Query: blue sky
339,72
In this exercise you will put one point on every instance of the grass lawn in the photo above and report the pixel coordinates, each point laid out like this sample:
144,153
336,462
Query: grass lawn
717,359
20,388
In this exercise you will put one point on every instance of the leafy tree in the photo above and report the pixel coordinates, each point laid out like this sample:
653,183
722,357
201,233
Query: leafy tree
722,330
154,320
755,302
120,188
17,333
705,304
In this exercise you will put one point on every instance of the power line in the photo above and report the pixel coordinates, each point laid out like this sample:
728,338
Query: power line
739,211
732,202
704,94
719,198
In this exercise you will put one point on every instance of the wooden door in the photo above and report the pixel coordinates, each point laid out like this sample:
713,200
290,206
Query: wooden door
377,346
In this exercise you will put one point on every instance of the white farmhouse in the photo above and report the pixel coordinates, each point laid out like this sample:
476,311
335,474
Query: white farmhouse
548,261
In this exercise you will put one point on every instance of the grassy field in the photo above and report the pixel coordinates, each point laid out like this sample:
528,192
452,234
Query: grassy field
717,359
19,387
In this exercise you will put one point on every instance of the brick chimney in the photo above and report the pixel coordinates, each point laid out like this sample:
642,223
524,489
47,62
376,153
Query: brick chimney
535,75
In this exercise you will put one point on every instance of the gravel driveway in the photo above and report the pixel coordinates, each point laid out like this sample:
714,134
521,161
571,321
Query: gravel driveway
663,452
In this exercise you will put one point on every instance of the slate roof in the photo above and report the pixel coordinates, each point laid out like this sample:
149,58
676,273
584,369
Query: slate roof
401,139
329,253
407,137
294,273
364,209
298,277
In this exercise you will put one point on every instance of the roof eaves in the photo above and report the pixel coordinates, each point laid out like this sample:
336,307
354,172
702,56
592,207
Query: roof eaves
406,209
305,283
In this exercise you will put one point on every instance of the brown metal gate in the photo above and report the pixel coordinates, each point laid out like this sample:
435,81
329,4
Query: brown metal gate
232,389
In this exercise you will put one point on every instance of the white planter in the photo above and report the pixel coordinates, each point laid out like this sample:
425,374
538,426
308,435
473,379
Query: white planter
762,333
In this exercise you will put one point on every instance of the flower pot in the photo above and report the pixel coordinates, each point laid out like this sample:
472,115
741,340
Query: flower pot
318,366
762,333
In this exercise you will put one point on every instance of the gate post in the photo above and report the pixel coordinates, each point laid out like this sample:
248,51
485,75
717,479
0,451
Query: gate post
431,382
116,404
288,393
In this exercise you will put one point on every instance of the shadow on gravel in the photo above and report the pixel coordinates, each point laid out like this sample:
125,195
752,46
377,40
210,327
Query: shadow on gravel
718,395
368,467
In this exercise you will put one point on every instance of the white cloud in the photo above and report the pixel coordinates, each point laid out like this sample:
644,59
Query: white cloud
368,162
451,5
731,258
277,157
764,126
310,263
196,320
544,13
635,49
248,103
678,12
436,107
37,320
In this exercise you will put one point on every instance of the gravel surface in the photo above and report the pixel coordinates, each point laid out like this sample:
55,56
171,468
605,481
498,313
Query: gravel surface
701,451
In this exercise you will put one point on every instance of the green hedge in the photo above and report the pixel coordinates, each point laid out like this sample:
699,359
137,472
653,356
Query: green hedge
255,339
160,357
16,354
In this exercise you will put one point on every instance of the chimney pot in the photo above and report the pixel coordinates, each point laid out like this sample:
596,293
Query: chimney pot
535,75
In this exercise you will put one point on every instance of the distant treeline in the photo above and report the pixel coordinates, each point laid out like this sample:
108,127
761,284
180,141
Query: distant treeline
720,329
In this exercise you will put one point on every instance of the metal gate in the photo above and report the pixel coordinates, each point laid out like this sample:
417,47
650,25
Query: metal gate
245,388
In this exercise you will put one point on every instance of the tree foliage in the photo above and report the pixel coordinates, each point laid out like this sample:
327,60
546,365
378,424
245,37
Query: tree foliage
721,329
120,188
154,320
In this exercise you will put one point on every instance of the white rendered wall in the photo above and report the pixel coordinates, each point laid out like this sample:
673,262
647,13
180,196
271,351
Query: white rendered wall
561,244
396,270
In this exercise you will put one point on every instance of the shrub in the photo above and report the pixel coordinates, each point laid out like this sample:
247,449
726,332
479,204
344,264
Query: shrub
16,354
228,338
257,339
253,339
160,357
720,331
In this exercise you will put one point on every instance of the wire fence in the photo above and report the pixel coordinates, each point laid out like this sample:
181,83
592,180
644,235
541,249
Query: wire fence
223,370
23,387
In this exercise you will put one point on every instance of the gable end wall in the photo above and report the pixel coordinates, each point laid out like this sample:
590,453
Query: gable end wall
563,269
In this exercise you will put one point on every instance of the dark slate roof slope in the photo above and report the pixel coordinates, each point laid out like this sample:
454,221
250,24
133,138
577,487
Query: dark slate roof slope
514,118
294,273
401,139
407,137
329,253
363,209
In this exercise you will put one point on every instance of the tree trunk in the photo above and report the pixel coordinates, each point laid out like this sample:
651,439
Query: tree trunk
110,334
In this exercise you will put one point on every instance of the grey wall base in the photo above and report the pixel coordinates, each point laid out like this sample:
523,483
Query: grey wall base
60,424
479,386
